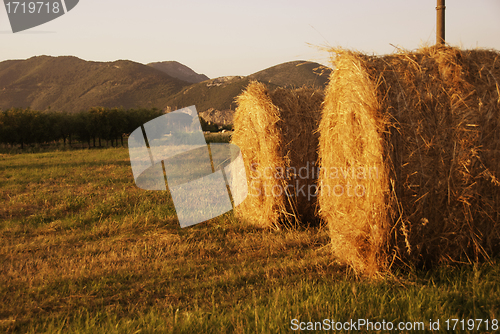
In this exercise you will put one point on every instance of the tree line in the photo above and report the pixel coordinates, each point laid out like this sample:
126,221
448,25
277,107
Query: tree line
27,127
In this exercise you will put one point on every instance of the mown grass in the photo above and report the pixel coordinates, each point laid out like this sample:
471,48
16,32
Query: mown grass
83,250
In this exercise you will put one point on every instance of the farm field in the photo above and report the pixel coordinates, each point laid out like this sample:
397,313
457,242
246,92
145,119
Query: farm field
83,250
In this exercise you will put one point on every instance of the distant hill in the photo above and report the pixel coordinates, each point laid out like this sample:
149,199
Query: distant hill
220,93
216,93
72,84
179,71
295,74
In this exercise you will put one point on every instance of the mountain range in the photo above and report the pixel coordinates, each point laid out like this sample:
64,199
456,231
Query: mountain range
179,71
68,83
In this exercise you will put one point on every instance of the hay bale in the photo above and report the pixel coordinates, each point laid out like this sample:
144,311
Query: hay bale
415,137
276,132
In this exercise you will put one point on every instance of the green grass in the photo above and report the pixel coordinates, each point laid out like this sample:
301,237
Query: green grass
83,250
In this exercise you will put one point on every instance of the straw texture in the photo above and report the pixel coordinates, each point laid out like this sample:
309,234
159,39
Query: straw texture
277,134
409,156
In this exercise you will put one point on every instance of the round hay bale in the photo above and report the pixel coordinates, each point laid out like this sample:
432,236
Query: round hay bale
277,134
414,136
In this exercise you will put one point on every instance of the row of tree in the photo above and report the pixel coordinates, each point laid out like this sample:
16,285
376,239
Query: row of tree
26,126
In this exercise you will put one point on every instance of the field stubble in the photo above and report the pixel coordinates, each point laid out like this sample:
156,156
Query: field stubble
84,250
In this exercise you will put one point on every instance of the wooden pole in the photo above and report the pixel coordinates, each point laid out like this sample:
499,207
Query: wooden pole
440,22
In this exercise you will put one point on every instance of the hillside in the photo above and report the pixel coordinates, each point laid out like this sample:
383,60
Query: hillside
295,74
220,93
179,71
73,84
216,93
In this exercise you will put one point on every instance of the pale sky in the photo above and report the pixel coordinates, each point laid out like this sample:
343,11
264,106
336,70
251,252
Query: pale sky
232,37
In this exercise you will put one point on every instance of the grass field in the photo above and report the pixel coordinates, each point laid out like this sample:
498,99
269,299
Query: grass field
83,250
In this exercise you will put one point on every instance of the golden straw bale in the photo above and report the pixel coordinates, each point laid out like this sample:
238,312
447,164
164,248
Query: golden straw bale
414,137
277,134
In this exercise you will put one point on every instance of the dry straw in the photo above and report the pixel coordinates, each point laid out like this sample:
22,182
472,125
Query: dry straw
277,134
415,138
